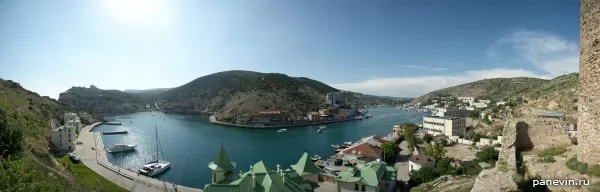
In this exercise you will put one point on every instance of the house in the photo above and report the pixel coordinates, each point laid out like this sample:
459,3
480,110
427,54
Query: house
63,137
300,177
453,112
449,126
501,103
367,149
479,105
314,116
486,101
374,176
572,130
466,99
419,161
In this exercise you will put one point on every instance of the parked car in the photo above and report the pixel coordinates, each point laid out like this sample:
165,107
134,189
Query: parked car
74,158
79,142
93,147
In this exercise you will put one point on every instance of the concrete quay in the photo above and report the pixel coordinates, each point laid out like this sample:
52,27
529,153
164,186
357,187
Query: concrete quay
97,161
214,120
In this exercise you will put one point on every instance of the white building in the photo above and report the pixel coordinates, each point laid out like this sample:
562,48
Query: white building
486,101
71,119
449,126
466,99
453,112
479,105
337,99
419,161
63,137
501,103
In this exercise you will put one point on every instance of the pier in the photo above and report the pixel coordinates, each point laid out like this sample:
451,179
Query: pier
97,161
113,123
114,132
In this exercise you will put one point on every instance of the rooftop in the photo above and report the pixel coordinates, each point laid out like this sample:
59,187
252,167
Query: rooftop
444,117
422,159
270,112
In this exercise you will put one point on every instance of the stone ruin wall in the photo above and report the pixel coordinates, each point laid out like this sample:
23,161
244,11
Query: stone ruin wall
589,84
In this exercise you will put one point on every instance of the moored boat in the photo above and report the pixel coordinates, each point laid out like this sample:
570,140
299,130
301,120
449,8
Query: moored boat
121,148
158,166
316,158
282,130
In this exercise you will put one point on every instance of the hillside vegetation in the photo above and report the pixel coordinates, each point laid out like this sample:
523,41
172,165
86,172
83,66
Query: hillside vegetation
555,94
101,101
231,93
24,131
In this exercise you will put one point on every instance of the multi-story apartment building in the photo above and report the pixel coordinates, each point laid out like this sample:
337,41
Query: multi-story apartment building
64,136
449,126
337,99
453,112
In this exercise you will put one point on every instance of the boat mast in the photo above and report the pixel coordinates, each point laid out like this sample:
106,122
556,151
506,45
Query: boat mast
156,129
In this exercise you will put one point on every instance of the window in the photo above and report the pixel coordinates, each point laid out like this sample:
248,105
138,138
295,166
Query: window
355,186
363,188
69,140
69,135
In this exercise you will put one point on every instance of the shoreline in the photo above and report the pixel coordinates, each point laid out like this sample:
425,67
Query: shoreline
214,120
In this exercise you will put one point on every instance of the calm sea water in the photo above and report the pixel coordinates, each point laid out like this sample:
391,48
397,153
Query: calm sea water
190,142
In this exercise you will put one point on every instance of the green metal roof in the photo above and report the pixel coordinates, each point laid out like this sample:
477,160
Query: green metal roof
265,180
222,163
305,166
367,173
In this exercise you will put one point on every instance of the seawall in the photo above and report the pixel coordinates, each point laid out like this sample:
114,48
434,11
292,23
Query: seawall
214,120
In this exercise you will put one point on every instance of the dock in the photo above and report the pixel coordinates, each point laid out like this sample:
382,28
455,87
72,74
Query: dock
113,123
114,132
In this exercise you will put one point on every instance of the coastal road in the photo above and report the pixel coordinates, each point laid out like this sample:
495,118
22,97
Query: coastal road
94,159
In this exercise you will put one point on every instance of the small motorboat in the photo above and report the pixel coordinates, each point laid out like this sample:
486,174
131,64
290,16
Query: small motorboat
320,131
348,143
335,146
316,158
282,131
121,148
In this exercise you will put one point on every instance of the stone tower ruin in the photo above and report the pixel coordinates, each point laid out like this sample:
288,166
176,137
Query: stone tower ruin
588,119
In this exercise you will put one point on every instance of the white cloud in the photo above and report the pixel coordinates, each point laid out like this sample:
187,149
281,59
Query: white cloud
550,54
547,52
424,67
417,86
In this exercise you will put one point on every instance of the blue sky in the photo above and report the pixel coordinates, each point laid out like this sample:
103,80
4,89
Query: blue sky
393,48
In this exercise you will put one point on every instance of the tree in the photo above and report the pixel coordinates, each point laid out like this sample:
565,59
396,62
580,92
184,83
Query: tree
423,175
443,167
444,141
487,154
11,137
409,135
435,150
427,138
389,151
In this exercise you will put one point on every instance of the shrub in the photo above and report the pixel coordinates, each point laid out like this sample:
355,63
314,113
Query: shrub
487,154
574,140
423,175
547,159
428,138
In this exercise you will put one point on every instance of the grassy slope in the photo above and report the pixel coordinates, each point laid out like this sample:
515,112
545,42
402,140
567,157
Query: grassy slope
89,179
35,170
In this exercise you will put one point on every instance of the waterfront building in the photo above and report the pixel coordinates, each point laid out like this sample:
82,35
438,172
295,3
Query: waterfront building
337,99
314,116
268,118
419,161
71,119
374,176
242,119
449,126
300,177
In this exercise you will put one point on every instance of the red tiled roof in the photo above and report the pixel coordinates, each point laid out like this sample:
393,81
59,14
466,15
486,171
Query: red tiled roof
364,148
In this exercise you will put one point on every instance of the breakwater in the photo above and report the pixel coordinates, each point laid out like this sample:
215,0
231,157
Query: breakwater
214,120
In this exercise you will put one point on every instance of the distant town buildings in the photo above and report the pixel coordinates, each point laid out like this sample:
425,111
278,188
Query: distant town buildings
63,137
337,99
479,105
466,99
449,126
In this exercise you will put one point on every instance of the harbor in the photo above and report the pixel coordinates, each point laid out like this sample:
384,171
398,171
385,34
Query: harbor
190,167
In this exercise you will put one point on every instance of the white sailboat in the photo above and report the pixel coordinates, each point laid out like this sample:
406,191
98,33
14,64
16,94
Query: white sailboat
158,166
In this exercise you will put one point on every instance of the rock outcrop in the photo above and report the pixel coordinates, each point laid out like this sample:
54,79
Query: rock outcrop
493,180
447,183
589,69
